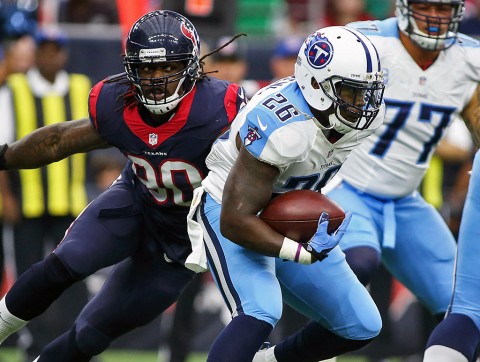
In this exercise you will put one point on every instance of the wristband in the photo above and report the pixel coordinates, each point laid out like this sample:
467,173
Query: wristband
291,250
3,149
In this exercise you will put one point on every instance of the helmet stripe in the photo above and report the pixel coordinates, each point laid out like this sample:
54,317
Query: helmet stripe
367,52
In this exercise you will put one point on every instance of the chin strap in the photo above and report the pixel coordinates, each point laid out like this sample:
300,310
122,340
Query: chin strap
338,125
317,122
3,149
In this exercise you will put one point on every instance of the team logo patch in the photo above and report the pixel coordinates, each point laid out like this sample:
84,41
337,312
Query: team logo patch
319,51
251,136
153,139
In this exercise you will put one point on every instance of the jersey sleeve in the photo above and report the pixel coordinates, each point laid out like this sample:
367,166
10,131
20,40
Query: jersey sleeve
235,100
272,142
384,28
92,103
471,48
105,107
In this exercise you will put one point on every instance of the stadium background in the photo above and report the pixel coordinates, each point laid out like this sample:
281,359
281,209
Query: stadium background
95,47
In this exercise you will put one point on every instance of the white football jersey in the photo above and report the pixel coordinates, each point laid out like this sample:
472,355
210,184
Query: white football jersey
420,105
277,127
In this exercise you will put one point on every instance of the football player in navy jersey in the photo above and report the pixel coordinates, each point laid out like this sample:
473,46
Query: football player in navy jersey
164,114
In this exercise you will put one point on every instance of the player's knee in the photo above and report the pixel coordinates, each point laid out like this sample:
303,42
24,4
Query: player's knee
370,328
56,271
90,340
364,262
270,315
365,322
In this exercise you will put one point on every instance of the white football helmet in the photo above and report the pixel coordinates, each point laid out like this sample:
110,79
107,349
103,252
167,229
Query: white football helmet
340,67
433,40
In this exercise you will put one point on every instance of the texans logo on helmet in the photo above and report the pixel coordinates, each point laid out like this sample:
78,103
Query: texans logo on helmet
319,52
189,34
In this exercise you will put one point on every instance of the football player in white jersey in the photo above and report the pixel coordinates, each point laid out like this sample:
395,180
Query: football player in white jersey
432,76
456,338
293,134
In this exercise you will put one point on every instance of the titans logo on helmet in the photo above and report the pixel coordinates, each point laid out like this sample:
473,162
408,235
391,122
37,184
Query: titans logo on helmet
319,51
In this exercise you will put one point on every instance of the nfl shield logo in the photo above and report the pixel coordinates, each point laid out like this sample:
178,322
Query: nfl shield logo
153,139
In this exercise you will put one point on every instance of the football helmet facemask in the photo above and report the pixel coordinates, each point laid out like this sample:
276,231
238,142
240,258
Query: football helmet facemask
338,68
434,40
162,36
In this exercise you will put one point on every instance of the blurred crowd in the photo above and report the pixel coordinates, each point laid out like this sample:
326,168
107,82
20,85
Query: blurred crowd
21,48
288,17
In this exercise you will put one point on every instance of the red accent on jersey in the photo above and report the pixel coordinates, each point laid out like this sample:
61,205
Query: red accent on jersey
92,102
230,101
164,131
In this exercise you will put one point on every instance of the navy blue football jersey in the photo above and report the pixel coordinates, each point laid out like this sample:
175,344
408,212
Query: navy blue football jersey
166,161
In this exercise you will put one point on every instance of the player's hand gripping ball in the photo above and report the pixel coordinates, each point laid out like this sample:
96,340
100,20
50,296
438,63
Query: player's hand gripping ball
295,214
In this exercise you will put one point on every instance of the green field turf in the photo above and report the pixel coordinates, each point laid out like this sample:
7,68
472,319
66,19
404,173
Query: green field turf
11,355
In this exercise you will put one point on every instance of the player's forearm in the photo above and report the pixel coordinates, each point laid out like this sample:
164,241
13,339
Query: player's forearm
471,114
251,233
50,144
37,149
475,128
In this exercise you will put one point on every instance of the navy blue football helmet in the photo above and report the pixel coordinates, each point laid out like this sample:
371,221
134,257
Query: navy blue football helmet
162,36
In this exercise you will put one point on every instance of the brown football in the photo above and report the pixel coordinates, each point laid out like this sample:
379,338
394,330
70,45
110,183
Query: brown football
295,214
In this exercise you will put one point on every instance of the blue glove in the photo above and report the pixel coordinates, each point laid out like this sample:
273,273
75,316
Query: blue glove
321,243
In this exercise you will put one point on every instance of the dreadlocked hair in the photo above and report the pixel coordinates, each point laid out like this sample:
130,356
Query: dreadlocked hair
129,100
203,74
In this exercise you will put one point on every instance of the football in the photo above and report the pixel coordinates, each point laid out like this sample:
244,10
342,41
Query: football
295,214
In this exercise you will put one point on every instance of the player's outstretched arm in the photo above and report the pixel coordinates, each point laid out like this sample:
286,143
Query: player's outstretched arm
50,144
471,115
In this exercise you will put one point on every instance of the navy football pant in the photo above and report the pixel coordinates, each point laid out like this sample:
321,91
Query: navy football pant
136,292
110,230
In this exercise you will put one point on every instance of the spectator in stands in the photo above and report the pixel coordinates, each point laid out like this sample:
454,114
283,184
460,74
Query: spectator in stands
284,56
342,12
296,17
89,11
46,200
230,63
471,23
17,18
20,54
380,9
